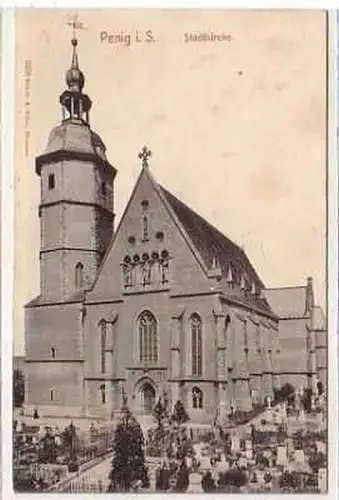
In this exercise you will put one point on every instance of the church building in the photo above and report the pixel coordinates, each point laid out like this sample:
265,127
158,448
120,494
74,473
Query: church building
162,303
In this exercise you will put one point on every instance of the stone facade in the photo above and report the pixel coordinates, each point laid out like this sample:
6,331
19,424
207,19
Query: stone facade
164,303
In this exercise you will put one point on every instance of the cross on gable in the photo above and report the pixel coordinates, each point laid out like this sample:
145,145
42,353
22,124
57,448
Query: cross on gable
144,156
75,24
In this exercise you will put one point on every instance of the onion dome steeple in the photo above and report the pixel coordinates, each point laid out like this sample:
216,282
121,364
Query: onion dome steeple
75,104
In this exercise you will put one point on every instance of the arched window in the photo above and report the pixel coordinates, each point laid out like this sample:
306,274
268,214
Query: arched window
51,394
197,398
103,340
196,342
103,394
79,275
145,228
53,352
148,338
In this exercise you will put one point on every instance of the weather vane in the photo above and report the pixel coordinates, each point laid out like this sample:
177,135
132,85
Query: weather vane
75,24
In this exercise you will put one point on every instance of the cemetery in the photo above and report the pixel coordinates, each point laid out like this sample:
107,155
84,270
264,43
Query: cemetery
283,448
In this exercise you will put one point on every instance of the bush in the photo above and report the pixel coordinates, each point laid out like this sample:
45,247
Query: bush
233,477
283,393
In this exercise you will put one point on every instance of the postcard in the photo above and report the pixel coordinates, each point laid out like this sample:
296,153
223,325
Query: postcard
170,243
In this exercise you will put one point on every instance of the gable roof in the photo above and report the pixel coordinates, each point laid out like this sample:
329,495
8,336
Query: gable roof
289,302
211,243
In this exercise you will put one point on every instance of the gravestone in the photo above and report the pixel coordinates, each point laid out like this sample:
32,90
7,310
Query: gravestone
248,444
235,446
322,480
282,456
302,416
321,447
194,485
299,456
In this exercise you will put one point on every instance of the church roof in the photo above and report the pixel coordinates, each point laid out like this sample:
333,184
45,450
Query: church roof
289,302
211,243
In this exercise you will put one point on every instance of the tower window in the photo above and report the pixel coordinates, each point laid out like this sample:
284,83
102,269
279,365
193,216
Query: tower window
51,394
79,275
103,189
51,181
53,352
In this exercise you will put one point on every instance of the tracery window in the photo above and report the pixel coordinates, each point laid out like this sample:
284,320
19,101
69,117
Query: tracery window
145,228
197,398
79,275
148,338
103,341
196,342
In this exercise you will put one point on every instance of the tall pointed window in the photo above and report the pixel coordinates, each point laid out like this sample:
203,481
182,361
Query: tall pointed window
196,342
103,394
79,275
148,338
145,228
103,341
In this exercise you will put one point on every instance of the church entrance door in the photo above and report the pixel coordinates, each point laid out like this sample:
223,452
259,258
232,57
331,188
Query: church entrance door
148,398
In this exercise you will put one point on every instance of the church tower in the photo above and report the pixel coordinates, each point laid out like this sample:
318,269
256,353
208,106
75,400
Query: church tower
77,197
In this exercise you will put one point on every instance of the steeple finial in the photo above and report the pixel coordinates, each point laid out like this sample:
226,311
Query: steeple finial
75,104
144,156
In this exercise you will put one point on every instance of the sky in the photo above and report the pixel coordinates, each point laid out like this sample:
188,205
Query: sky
236,126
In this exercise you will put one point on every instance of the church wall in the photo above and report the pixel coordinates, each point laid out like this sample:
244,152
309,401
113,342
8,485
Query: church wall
293,346
53,326
67,176
206,414
57,327
63,378
51,227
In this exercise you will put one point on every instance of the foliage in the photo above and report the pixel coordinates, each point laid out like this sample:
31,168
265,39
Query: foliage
317,461
320,388
18,388
285,392
233,477
208,483
179,415
48,450
307,400
128,464
288,480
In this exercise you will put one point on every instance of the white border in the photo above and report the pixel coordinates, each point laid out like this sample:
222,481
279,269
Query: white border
7,249
7,256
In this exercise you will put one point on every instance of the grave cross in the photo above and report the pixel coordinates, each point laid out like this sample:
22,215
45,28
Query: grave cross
144,156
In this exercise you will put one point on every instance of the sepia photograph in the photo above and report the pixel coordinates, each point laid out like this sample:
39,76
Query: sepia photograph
170,325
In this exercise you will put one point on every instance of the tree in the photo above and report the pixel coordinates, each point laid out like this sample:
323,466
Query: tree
48,451
128,464
179,415
18,388
317,461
